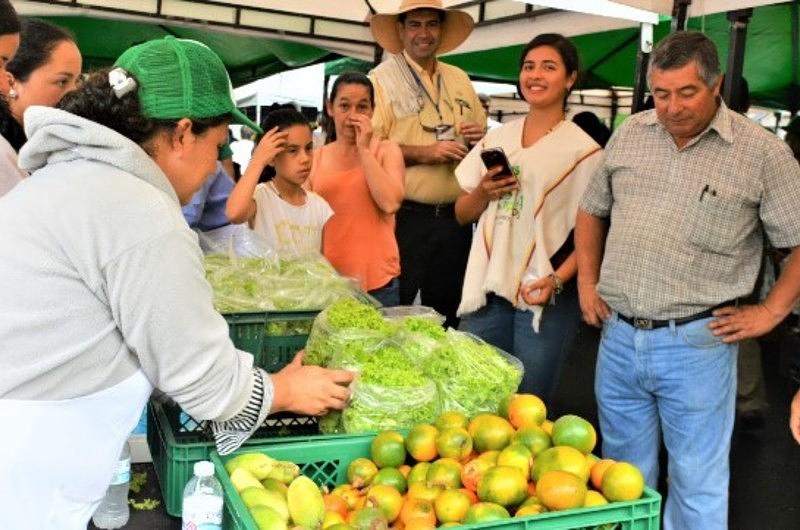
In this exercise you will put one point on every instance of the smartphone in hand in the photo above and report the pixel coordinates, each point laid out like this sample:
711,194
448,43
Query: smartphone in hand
495,156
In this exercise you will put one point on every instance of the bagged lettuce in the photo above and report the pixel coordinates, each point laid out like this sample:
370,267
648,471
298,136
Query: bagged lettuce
471,375
345,323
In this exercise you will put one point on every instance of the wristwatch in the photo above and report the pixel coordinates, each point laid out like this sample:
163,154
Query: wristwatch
558,285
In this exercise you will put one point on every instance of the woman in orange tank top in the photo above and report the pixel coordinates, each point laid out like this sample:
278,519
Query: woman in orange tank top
361,177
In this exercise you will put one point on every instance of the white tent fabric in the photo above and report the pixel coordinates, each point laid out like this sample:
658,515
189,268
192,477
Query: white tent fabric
697,7
340,26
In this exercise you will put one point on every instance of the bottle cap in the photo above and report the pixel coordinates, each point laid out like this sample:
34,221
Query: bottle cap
204,468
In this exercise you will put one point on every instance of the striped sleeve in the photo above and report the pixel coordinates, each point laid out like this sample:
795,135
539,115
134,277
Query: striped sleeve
229,435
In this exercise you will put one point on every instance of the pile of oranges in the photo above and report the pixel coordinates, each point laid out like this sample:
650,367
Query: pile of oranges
488,468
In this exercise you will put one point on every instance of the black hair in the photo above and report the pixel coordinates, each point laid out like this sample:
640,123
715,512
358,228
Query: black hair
347,78
96,101
283,117
564,47
793,140
591,125
682,47
9,22
401,18
36,42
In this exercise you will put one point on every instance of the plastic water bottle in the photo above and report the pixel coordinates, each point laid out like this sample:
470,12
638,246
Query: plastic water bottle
202,499
114,511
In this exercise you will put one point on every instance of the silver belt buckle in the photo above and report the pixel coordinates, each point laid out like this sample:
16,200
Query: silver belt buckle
642,323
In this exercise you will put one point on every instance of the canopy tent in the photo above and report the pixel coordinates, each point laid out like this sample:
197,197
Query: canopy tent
256,38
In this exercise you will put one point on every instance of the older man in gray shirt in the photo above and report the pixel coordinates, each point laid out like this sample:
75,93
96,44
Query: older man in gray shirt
676,216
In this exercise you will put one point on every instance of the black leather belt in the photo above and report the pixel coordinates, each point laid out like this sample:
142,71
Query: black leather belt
649,323
434,210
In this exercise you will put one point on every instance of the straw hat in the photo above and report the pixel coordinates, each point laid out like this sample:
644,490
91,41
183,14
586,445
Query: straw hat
456,27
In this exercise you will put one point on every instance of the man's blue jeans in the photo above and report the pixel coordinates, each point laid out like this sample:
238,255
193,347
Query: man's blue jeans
542,354
679,381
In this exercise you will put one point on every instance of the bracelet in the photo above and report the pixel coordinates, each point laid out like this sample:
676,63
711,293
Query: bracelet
558,285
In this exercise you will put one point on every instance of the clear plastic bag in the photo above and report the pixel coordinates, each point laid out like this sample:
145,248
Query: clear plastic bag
345,322
471,375
376,407
400,313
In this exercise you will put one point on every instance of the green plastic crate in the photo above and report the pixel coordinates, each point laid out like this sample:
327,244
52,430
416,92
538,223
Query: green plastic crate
176,442
326,461
272,337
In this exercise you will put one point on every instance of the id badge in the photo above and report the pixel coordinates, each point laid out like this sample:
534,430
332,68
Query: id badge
445,132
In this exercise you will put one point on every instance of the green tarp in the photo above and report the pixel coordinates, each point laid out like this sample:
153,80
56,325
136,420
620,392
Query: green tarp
609,58
247,58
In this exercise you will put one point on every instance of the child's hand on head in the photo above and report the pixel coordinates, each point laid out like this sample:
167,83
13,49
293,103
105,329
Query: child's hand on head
273,142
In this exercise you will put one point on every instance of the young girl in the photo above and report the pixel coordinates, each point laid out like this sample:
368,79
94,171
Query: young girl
361,177
287,216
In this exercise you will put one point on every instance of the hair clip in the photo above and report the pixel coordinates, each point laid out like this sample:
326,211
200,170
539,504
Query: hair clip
121,82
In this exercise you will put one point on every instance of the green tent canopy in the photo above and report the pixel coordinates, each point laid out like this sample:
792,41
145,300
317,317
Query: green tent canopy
608,59
247,58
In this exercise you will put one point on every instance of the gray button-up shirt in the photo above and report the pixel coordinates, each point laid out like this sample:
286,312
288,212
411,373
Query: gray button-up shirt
686,226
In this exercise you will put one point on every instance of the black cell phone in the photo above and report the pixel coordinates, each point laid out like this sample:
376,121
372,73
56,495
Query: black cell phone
495,156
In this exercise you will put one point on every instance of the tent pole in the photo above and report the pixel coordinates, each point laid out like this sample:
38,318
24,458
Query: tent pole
732,91
642,60
680,11
614,108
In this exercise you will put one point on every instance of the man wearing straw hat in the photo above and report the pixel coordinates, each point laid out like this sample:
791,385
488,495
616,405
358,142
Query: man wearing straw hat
431,110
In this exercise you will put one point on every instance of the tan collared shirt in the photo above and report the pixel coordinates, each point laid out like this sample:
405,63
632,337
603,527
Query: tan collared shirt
435,183
686,226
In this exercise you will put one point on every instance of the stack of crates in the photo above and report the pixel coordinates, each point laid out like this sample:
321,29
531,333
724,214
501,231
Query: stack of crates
325,461
177,441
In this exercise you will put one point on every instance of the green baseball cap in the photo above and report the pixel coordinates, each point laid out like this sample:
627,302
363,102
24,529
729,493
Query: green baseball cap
181,78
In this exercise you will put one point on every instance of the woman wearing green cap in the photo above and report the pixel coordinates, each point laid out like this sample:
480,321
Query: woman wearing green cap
102,290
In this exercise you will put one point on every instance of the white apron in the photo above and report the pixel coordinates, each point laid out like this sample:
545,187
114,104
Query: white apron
58,457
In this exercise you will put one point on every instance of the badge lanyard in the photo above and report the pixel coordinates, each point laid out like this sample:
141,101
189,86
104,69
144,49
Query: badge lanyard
422,87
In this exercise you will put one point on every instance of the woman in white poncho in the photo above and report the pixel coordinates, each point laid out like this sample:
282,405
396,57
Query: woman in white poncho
519,291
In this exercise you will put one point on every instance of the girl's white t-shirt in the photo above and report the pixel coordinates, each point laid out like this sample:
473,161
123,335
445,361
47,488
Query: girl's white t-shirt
291,230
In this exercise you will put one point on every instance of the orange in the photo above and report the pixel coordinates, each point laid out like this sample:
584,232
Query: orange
348,493
594,498
387,499
526,410
451,506
368,519
503,485
622,482
335,503
418,473
421,490
490,432
391,476
483,512
561,458
404,469
518,456
592,459
531,509
502,409
419,523
547,426
454,443
532,500
332,518
421,442
534,438
574,431
417,508
388,449
340,526
597,471
531,489
451,419
559,490
445,472
361,471
472,472
473,498
489,456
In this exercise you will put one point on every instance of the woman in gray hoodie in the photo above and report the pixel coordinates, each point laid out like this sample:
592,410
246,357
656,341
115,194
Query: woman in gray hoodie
103,295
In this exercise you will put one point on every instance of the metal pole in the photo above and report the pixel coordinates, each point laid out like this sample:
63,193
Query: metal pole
732,92
680,11
642,61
